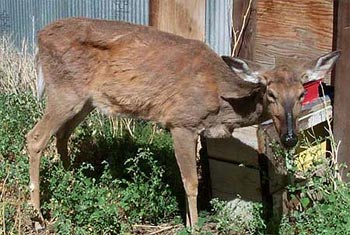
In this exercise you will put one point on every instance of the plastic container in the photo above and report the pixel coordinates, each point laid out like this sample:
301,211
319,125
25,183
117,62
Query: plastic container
311,89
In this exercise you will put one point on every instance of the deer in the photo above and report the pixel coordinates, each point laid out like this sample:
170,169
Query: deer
121,68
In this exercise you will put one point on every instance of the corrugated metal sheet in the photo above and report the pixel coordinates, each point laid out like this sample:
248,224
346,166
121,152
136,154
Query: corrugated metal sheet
218,23
23,18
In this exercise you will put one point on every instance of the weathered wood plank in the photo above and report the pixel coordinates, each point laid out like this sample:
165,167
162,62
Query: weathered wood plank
181,17
293,30
342,84
234,150
225,178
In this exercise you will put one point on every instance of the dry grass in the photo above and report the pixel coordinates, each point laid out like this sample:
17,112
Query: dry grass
17,67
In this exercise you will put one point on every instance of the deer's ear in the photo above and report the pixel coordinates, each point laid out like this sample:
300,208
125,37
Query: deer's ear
246,70
318,68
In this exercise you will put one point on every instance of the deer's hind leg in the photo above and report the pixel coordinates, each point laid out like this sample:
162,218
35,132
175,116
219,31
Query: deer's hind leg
65,131
59,109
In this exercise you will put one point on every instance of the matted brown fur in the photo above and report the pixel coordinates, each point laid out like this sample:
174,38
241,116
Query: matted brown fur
136,70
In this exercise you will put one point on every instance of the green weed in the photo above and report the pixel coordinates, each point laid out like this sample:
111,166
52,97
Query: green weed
323,199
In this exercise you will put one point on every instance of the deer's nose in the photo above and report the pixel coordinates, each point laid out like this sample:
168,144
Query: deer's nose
289,140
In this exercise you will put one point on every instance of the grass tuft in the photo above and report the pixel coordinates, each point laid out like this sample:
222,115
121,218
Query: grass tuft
17,67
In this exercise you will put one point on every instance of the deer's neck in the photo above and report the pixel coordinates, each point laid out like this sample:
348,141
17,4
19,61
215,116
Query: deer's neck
235,113
245,111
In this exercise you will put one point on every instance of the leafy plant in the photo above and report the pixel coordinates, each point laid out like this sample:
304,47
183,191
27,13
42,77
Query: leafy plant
81,204
146,198
17,114
322,199
330,215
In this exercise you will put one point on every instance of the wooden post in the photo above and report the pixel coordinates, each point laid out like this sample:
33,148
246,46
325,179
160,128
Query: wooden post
181,17
153,12
342,83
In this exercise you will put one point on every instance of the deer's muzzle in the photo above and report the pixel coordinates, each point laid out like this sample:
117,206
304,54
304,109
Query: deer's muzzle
290,139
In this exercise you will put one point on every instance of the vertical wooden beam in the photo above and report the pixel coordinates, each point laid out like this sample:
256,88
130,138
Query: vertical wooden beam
154,12
181,17
246,47
342,84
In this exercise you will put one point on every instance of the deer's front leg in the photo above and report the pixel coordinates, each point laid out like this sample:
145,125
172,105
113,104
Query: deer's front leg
185,142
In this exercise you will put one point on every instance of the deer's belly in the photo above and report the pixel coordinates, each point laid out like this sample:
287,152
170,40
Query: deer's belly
218,131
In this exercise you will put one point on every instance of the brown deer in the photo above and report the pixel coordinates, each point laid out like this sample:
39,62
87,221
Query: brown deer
121,68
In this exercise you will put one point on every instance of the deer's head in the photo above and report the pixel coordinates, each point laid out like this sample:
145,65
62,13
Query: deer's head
282,89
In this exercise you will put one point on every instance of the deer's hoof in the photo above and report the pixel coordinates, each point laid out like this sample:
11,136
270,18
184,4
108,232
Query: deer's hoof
38,227
38,221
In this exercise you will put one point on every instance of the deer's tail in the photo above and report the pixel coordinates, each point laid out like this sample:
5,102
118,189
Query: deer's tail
40,82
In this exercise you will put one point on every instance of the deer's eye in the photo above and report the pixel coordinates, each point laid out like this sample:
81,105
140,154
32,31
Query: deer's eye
302,95
271,96
305,77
